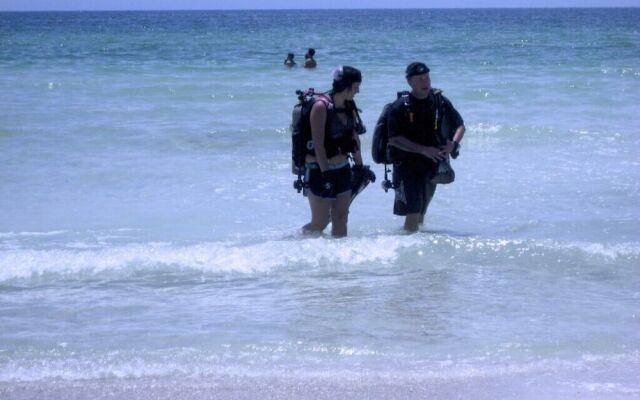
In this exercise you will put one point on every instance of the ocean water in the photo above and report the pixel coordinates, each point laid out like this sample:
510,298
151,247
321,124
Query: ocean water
149,230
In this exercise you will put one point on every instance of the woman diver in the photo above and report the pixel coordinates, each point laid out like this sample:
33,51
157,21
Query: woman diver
334,131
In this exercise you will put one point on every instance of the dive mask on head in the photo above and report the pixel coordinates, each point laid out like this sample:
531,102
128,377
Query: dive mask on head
338,73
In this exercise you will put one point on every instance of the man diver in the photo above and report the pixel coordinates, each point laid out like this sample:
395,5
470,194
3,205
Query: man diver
415,145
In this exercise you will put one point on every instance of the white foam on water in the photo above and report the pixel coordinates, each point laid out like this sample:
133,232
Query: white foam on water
206,257
11,235
233,256
609,251
194,364
485,128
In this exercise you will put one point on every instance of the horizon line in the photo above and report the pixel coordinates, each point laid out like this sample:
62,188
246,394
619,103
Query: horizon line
326,9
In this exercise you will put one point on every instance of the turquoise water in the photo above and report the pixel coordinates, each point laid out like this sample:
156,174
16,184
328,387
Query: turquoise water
149,227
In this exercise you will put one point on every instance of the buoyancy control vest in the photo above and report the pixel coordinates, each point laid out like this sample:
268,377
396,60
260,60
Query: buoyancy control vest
338,135
443,127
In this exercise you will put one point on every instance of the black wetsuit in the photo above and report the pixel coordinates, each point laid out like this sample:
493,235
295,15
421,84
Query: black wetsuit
412,172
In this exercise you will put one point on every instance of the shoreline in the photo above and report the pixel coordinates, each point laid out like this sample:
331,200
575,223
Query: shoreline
521,386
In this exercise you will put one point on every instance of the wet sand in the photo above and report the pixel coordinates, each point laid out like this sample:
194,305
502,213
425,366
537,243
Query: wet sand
250,388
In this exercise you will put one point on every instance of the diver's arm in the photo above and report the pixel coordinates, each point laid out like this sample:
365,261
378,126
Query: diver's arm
318,119
357,155
457,137
455,119
410,146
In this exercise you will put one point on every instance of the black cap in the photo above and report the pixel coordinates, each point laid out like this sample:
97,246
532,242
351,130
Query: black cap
416,68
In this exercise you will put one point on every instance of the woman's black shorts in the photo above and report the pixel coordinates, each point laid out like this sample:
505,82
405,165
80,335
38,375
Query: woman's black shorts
330,184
